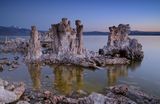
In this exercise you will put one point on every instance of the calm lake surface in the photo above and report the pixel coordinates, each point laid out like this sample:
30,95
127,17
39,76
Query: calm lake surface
66,79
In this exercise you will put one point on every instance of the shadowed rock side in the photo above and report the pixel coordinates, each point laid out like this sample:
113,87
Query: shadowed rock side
120,45
67,47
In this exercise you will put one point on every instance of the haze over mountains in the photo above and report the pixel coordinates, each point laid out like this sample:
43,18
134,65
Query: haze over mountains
17,31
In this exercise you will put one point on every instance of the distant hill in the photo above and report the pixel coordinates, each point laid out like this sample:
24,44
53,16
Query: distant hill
13,31
24,32
145,33
96,33
16,31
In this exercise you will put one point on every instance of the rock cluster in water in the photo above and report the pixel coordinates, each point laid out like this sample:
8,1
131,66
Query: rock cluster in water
119,44
67,47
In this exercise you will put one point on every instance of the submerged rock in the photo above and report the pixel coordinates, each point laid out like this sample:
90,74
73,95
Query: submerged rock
119,44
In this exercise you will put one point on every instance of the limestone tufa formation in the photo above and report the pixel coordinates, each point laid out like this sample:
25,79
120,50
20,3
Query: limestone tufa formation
67,46
34,50
120,45
66,39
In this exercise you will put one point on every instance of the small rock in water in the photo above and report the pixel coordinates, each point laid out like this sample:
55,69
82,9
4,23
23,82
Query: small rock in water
1,67
47,76
10,69
16,58
47,94
82,92
14,66
8,63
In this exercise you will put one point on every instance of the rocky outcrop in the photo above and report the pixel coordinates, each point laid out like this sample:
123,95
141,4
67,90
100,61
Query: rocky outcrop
120,45
84,61
67,48
10,92
34,49
65,39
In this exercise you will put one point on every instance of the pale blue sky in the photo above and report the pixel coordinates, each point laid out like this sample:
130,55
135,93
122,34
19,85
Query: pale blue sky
96,15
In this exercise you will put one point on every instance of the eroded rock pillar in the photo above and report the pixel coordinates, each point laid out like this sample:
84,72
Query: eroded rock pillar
34,50
79,37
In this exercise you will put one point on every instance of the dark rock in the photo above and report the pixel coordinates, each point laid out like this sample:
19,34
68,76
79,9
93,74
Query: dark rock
1,68
16,58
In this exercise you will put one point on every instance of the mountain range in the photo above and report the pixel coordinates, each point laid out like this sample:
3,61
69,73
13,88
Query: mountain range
16,31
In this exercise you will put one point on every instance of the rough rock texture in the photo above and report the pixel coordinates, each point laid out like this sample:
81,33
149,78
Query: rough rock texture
65,39
79,37
14,45
120,94
9,92
67,47
34,50
84,61
119,44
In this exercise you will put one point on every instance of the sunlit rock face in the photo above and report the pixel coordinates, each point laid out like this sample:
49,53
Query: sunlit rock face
9,93
120,45
65,39
34,50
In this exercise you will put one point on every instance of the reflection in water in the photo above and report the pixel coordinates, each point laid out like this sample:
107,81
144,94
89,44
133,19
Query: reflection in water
68,79
114,72
35,74
134,65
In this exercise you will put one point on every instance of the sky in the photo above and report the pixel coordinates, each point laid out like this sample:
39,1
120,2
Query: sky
96,15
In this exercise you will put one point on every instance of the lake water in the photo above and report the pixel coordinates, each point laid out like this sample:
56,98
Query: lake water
66,79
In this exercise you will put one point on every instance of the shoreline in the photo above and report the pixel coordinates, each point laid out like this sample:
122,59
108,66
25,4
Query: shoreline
116,94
